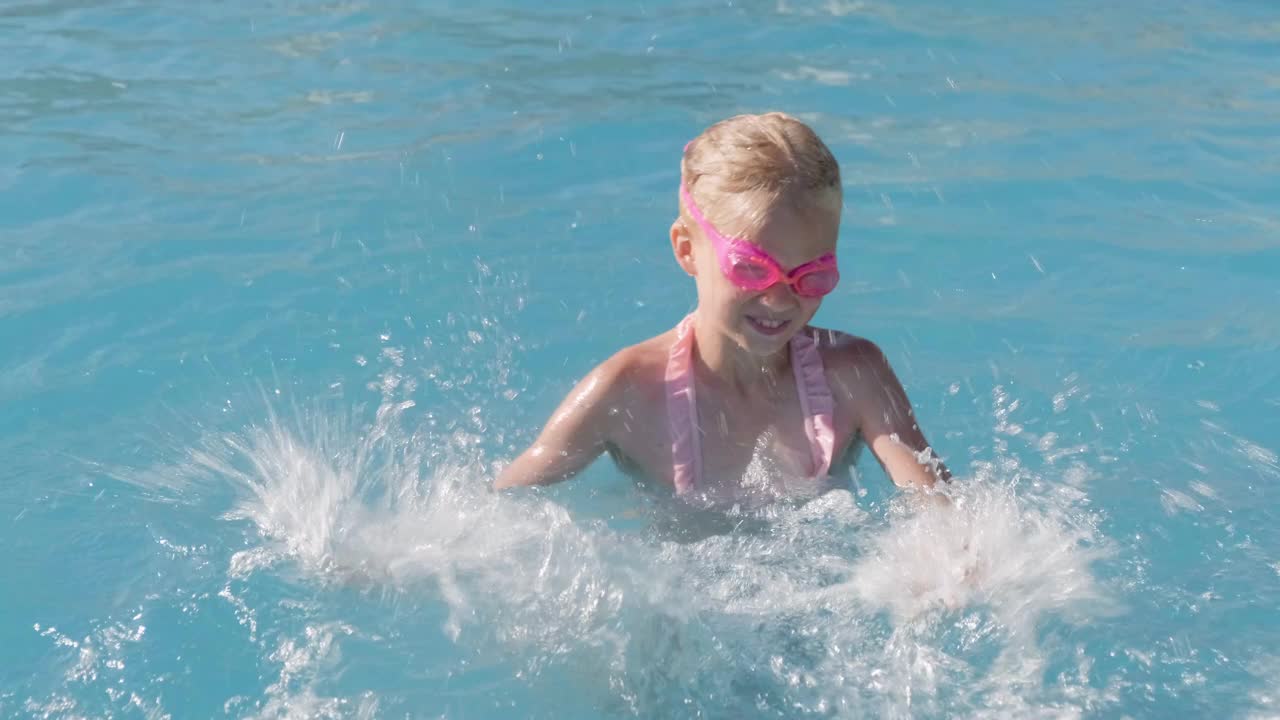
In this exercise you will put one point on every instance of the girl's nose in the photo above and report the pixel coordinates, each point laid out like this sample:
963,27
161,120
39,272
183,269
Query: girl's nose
778,297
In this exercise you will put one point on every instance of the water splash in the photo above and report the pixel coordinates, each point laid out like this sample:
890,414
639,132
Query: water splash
815,609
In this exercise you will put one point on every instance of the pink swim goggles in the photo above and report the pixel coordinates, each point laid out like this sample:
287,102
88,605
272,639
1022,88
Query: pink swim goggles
749,267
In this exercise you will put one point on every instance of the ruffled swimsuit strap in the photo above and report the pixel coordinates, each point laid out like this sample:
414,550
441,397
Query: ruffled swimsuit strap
816,401
682,410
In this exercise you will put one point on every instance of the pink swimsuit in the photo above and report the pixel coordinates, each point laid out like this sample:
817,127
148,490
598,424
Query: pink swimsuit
682,408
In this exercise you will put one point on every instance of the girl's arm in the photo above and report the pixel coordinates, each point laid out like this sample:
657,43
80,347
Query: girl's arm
886,420
576,434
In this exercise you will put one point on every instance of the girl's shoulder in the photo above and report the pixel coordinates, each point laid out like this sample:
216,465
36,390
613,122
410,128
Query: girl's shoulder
840,345
847,355
639,368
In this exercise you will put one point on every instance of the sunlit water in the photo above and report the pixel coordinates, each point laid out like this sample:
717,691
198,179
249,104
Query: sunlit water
281,283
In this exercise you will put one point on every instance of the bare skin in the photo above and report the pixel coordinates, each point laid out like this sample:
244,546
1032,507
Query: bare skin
748,407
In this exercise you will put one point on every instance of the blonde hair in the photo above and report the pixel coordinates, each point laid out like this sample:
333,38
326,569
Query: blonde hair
739,168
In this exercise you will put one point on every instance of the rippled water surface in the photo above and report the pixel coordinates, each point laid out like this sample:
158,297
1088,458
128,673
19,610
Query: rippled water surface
280,282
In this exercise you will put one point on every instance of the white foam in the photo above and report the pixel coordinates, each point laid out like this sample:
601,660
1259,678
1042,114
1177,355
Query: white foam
303,661
818,606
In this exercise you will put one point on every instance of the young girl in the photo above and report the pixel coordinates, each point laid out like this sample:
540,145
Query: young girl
743,401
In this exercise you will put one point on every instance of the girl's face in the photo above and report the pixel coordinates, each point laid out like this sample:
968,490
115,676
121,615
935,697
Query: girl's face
763,322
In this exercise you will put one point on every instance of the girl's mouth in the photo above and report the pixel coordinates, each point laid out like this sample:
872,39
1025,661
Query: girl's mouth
767,326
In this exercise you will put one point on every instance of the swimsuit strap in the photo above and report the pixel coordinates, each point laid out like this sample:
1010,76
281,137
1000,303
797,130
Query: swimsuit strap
682,410
816,403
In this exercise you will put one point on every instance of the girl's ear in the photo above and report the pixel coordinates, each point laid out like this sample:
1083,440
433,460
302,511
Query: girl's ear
682,247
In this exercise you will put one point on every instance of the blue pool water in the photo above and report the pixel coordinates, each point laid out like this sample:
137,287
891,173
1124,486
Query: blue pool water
280,282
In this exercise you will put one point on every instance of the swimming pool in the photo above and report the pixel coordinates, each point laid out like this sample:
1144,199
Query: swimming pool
280,282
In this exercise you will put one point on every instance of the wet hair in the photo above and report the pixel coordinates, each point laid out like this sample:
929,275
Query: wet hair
739,168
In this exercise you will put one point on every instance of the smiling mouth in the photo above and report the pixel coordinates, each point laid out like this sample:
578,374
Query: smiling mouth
766,326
